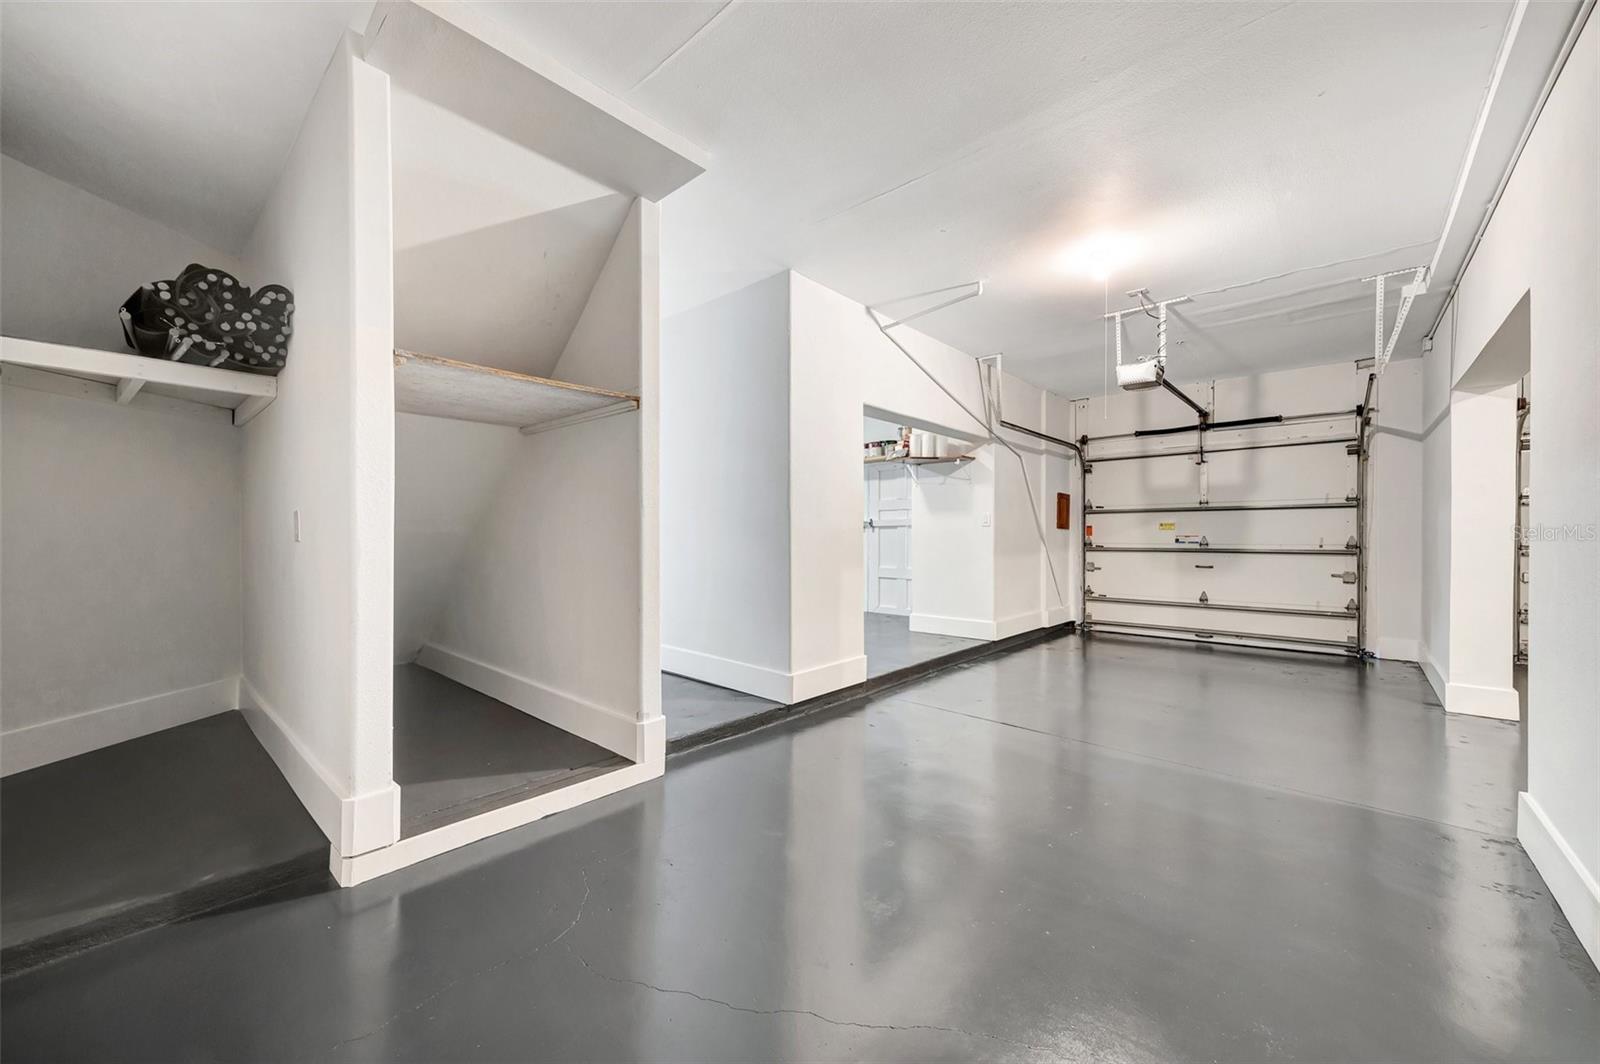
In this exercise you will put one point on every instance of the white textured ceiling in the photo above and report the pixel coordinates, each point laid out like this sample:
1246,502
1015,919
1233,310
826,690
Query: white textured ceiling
184,112
1269,155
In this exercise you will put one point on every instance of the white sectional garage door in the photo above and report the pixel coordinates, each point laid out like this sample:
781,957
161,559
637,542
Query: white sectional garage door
1254,542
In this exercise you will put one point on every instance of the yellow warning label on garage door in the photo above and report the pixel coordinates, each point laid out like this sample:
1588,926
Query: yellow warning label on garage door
1169,526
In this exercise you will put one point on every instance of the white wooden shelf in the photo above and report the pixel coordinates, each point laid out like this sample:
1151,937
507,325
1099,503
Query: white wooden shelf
443,387
246,394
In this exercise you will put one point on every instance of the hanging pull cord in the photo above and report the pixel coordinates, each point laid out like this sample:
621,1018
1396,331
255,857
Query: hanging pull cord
989,431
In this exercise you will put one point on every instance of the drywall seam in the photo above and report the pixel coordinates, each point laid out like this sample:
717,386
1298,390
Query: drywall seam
55,740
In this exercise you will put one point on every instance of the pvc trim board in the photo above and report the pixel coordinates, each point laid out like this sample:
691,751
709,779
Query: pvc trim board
443,387
350,871
1476,700
353,823
962,627
1572,884
825,679
465,61
619,733
759,680
55,740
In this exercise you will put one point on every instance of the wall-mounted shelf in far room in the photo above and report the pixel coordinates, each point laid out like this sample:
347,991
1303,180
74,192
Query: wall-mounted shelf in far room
904,460
443,387
246,394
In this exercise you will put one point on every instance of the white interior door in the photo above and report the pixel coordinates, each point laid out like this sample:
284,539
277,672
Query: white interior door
887,531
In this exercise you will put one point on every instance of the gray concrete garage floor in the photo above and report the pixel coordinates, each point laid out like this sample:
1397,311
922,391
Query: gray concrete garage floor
459,752
155,829
1098,849
892,645
692,707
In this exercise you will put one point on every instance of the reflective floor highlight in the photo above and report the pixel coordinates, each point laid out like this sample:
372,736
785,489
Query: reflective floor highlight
1102,849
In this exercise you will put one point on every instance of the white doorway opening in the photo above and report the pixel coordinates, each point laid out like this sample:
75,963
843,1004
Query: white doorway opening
886,523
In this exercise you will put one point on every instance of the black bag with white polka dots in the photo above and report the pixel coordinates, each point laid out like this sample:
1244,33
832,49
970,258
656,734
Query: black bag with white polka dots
205,316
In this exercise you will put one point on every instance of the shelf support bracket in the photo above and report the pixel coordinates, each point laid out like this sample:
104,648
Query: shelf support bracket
623,407
127,388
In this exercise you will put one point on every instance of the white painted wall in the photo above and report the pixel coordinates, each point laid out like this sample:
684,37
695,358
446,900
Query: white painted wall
1483,518
840,364
119,556
877,429
1062,474
725,491
1395,514
119,525
952,549
319,614
555,607
69,259
1433,652
446,474
1544,242
805,564
496,246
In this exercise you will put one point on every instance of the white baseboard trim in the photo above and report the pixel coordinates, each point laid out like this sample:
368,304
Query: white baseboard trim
618,732
1391,648
1501,703
772,684
960,627
1017,623
1431,670
353,823
1573,886
55,740
350,871
809,683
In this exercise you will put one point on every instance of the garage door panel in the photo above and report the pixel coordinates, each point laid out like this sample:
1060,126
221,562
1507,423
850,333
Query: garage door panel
1228,528
1292,580
1312,473
1329,629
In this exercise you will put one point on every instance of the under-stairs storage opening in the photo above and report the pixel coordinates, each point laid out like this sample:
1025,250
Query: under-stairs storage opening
525,316
134,791
121,513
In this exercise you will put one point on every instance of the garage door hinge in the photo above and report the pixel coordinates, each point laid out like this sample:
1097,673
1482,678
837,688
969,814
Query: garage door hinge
1351,606
1091,567
1347,576
1204,597
1350,544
